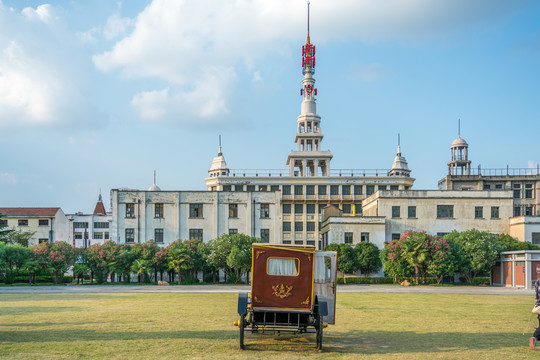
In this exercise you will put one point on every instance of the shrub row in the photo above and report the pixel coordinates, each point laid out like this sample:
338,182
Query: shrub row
40,279
381,280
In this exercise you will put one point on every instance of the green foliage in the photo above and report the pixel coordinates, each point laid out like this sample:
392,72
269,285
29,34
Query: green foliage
480,251
12,260
366,280
369,257
4,231
16,236
232,253
58,256
347,258
508,243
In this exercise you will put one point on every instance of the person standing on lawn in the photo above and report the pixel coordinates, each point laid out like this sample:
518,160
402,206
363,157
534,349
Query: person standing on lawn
536,310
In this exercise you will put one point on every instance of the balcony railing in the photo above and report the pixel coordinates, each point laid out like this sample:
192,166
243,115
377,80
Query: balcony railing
285,172
508,171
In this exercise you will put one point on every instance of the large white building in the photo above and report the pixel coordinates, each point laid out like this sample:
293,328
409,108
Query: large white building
89,229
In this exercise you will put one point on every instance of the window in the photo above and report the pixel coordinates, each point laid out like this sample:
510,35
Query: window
395,211
98,235
346,208
528,210
364,237
283,266
130,210
528,186
298,226
158,210
233,231
358,209
494,212
517,194
78,236
298,208
370,189
286,226
310,189
43,222
158,235
130,235
286,189
445,211
101,225
310,242
517,210
286,208
265,211
43,240
274,187
265,235
298,189
487,187
107,235
262,188
478,212
396,236
357,189
535,238
321,206
233,211
287,241
23,222
3,222
310,208
348,238
226,187
394,187
498,186
411,212
346,189
322,190
382,187
334,189
517,186
80,225
310,226
298,242
528,193
195,211
250,188
196,234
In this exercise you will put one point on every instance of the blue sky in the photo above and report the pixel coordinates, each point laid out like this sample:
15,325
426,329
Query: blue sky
97,94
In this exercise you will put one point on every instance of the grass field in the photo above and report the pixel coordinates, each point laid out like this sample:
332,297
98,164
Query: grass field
153,326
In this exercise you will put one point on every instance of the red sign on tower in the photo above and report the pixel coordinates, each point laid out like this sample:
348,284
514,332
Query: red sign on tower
308,55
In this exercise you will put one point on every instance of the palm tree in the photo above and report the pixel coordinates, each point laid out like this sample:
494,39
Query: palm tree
415,253
140,266
177,257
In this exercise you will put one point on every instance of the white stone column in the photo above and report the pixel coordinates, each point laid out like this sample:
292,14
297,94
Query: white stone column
304,167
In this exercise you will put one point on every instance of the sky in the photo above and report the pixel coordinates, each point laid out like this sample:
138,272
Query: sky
97,94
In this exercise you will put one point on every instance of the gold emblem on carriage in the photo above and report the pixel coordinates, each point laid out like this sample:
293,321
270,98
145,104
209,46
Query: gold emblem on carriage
305,302
256,300
282,291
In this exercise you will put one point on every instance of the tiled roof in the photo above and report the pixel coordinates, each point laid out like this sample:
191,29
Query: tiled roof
100,209
29,211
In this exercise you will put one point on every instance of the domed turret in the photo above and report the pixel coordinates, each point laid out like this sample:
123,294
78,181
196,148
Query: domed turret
219,166
154,187
400,166
459,156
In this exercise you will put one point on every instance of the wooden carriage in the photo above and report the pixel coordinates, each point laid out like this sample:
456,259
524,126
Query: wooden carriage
293,288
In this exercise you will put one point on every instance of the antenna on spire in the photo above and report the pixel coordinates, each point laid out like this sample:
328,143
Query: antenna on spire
308,19
154,177
398,142
100,198
219,150
459,127
398,145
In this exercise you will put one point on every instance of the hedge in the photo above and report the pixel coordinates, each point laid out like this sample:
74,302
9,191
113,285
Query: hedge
41,279
381,280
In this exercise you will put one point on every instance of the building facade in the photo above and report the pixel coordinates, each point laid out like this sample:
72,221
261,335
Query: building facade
47,224
92,228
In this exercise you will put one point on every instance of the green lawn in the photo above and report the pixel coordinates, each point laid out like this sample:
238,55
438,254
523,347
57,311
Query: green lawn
152,326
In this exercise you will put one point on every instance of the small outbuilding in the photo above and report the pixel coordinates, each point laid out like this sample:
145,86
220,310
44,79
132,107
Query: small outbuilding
518,269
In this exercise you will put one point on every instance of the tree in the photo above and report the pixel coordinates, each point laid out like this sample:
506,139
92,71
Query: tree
415,250
480,251
218,251
159,262
140,266
442,260
509,243
15,236
124,260
4,231
347,258
178,258
12,260
58,257
239,258
369,257
80,271
32,266
394,264
102,258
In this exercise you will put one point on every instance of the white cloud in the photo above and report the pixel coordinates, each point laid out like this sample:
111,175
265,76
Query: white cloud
368,72
116,26
42,13
257,76
42,82
181,43
6,178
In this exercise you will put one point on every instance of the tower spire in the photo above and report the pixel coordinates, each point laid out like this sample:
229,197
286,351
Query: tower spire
220,153
459,127
398,146
308,22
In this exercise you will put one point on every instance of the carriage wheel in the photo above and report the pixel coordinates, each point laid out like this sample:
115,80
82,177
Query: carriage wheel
319,335
242,325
